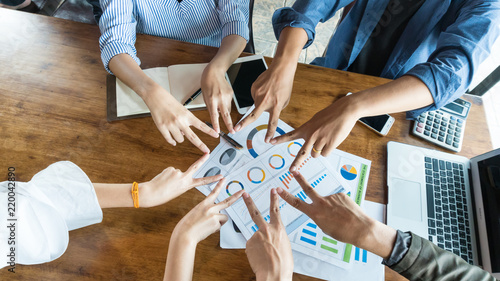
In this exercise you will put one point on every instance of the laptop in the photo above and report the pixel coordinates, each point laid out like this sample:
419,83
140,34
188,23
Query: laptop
450,200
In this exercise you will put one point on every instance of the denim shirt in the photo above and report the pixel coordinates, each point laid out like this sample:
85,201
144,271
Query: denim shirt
442,45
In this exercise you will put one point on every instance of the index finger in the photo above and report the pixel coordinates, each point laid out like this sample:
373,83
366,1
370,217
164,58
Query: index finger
274,210
273,123
249,119
195,140
292,135
308,189
197,164
302,154
213,195
254,211
229,201
204,128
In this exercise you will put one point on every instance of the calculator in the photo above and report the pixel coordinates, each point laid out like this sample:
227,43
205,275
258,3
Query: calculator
444,127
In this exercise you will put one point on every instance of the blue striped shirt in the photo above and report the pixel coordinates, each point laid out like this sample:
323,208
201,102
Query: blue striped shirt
197,21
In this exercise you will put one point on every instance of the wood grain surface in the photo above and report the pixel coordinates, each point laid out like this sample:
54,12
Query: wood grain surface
53,108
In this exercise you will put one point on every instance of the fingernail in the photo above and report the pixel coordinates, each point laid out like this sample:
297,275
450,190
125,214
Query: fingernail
273,141
266,140
237,128
273,191
246,195
293,169
280,190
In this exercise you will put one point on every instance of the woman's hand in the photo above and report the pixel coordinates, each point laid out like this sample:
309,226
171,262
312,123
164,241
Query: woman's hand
269,252
174,121
171,183
205,218
323,132
218,95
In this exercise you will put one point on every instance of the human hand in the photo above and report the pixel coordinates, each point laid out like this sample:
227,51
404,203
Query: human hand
218,95
171,183
174,121
271,92
323,132
269,252
341,218
205,218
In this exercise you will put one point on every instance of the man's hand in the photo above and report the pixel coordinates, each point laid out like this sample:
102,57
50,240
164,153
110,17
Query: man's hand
341,218
323,132
218,95
269,251
174,121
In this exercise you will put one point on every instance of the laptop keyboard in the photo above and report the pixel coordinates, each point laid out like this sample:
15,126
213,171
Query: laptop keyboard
447,207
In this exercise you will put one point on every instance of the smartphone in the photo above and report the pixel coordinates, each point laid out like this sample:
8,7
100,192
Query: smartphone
241,75
381,124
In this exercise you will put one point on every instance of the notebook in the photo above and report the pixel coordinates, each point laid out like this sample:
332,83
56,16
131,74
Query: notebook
181,80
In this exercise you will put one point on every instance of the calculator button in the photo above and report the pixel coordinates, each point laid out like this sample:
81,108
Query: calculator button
450,132
457,134
420,130
421,119
448,140
430,119
421,125
435,131
459,130
441,139
445,119
428,122
459,125
431,113
452,122
428,128
456,139
428,160
452,127
441,133
452,117
460,120
455,145
434,136
443,123
448,165
427,133
443,128
435,125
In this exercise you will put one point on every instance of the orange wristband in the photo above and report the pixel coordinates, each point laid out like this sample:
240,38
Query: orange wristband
135,194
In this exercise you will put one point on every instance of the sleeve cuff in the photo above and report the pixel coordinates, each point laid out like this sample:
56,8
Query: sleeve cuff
411,255
109,50
236,27
403,242
449,89
285,17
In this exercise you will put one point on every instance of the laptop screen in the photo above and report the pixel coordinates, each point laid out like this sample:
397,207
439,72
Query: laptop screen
489,174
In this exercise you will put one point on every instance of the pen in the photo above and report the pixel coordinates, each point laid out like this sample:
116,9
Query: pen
229,139
192,97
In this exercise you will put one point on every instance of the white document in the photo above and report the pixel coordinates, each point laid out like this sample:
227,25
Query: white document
180,80
225,158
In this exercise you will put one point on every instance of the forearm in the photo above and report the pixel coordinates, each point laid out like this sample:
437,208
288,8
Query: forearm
116,195
180,258
230,49
378,238
290,44
403,94
127,70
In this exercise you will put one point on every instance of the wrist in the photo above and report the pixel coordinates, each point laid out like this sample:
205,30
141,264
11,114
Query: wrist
144,195
182,237
379,239
354,105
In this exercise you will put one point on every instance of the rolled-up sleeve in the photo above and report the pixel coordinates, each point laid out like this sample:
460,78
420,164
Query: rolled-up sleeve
460,50
306,14
118,30
234,15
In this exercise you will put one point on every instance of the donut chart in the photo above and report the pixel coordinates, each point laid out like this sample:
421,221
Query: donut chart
233,187
256,180
252,133
274,159
348,172
293,148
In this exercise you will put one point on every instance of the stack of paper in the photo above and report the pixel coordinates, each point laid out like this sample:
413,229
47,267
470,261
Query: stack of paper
258,167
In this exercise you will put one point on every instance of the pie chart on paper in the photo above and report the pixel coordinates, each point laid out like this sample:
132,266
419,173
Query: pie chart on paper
348,172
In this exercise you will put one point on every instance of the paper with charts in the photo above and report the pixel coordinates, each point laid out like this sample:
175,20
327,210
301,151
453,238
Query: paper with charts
270,170
309,239
225,158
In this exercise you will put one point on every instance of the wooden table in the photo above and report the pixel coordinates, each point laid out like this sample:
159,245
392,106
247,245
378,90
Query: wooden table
53,107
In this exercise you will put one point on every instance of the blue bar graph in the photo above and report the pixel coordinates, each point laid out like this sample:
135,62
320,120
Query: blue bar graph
316,182
312,225
307,240
364,258
309,232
